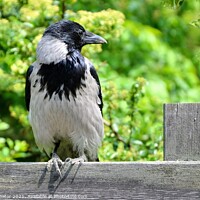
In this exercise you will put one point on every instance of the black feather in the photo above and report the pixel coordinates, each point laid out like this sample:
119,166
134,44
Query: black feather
68,74
28,87
69,31
95,76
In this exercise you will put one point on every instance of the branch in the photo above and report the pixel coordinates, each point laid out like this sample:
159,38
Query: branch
117,135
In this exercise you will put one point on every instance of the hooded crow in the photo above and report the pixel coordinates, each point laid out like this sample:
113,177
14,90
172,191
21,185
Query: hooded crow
63,95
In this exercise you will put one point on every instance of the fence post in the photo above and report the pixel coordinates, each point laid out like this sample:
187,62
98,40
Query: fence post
182,131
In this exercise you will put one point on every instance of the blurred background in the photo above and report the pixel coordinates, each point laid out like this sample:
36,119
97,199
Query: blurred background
152,57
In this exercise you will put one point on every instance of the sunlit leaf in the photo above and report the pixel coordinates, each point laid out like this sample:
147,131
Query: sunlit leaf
3,126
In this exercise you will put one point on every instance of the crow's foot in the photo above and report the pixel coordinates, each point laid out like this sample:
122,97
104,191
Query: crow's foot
56,162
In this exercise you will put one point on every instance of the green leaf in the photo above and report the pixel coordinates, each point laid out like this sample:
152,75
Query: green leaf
3,126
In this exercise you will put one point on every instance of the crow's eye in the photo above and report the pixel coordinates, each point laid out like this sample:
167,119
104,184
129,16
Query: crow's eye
80,33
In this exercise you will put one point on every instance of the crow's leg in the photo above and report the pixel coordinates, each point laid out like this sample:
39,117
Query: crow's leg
55,161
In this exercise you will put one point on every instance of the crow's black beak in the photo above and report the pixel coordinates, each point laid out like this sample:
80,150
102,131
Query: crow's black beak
91,38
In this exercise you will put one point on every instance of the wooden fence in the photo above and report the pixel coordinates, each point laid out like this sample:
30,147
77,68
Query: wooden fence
178,177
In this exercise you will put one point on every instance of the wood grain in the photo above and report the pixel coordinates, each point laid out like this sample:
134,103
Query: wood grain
121,180
182,131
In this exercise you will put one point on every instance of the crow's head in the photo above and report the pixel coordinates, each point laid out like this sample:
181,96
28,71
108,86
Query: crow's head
72,34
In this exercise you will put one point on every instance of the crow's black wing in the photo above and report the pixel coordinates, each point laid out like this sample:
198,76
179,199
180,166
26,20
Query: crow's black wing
95,76
28,87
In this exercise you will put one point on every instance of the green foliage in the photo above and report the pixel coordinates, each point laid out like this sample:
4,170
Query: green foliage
151,58
173,3
13,150
176,4
3,126
124,119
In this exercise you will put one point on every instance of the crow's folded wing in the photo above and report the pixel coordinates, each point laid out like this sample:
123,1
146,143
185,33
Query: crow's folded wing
28,87
95,76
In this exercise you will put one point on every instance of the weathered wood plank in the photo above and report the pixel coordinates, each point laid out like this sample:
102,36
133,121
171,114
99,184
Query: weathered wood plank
182,131
122,180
